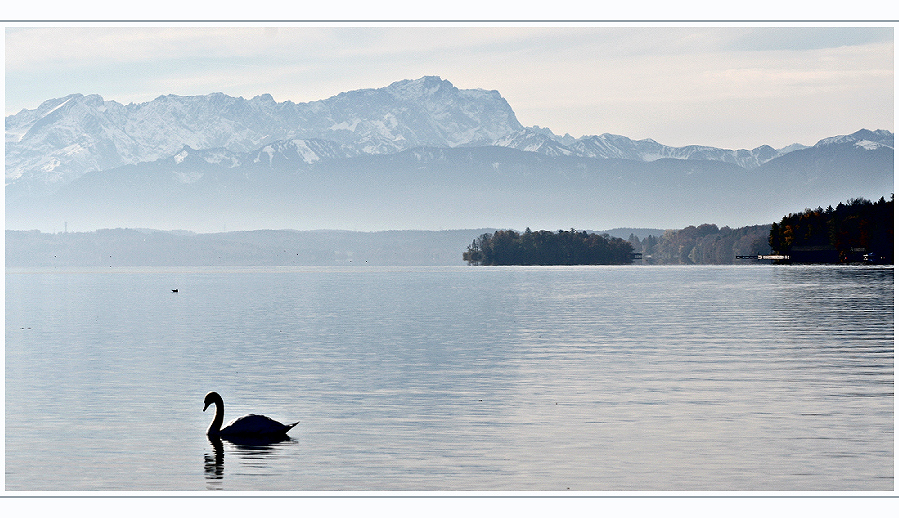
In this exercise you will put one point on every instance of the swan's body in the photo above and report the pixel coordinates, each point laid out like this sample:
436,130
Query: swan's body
247,426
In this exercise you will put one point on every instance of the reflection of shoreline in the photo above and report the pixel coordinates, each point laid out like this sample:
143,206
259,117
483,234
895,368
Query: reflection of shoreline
248,449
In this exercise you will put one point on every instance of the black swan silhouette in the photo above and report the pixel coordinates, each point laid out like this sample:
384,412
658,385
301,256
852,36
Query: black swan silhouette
248,426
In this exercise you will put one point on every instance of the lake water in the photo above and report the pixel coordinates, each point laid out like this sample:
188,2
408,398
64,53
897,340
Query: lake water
617,378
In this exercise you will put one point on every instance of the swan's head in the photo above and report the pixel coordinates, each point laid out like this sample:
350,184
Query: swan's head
211,398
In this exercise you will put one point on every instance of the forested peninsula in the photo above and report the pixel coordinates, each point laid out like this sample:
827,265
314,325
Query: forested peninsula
853,232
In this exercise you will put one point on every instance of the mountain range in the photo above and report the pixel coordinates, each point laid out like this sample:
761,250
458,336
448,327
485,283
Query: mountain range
415,154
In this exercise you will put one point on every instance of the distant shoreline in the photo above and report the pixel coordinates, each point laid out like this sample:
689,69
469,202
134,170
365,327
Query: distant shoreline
147,247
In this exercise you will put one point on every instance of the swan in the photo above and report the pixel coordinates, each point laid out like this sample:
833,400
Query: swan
251,425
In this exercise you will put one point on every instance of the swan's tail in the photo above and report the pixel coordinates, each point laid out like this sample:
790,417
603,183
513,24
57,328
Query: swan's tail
291,425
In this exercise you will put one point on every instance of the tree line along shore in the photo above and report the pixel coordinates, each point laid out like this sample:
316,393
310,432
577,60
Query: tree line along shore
858,231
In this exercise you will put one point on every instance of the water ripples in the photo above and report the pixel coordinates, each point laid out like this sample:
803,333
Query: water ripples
530,378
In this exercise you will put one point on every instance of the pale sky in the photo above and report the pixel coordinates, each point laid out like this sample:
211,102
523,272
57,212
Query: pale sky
732,85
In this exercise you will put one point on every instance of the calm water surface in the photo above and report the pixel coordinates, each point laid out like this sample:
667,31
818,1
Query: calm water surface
453,378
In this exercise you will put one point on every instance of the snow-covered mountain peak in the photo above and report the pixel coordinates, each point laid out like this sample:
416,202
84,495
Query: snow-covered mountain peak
419,88
872,139
264,98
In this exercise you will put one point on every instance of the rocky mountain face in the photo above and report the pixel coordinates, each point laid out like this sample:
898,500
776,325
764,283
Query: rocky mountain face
415,154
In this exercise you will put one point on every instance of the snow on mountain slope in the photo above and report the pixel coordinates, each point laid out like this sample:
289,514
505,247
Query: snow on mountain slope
862,138
307,151
64,138
617,146
529,140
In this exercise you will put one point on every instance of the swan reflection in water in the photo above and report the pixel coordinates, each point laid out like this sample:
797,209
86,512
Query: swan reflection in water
253,436
253,453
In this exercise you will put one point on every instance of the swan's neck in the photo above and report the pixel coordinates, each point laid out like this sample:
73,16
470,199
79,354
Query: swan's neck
216,425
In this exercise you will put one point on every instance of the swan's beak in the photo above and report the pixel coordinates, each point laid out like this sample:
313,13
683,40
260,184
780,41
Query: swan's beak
205,406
